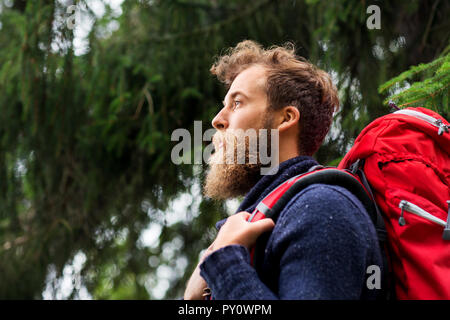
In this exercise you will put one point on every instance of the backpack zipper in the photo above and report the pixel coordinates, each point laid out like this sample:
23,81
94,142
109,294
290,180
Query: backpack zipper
435,122
418,211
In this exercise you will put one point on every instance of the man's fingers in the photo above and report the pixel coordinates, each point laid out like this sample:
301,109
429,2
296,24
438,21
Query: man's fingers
259,226
237,230
245,215
262,226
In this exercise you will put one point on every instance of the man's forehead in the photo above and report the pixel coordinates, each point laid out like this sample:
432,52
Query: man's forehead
251,81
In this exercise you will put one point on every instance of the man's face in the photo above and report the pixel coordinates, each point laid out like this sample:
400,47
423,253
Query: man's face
245,107
245,102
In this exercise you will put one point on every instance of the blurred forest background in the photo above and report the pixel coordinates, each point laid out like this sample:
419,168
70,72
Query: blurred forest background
91,206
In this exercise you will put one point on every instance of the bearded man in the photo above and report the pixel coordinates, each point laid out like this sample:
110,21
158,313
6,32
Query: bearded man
324,240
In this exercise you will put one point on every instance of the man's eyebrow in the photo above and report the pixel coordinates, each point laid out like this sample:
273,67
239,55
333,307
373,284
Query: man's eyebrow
234,94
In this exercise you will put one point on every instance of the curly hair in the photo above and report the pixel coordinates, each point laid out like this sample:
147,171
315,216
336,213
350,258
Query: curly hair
291,81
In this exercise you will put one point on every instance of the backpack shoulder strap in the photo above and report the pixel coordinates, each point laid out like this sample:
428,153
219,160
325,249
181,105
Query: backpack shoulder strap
273,204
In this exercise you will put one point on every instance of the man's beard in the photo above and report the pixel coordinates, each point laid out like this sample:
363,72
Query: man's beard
229,180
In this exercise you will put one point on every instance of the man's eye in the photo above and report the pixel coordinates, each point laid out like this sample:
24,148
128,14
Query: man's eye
236,104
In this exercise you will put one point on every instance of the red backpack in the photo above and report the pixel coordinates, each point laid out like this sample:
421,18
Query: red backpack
399,167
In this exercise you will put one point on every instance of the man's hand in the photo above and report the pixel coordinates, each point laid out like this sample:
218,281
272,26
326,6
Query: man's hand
196,284
237,230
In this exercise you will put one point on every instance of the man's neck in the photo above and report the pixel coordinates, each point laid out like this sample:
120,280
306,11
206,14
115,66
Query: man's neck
287,154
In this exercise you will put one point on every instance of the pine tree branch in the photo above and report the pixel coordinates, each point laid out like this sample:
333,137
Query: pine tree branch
409,73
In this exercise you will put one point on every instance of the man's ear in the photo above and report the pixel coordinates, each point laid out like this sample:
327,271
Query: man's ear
289,118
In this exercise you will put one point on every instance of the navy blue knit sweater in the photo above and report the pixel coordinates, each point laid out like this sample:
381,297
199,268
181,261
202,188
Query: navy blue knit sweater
320,247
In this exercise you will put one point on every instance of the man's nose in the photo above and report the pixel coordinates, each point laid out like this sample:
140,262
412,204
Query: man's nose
220,121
